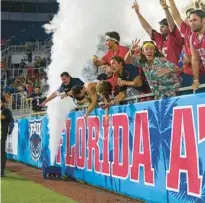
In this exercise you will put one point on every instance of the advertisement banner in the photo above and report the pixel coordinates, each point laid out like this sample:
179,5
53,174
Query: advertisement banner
152,151
12,143
30,141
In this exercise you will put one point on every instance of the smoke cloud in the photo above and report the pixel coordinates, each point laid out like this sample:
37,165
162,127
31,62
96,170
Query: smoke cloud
76,30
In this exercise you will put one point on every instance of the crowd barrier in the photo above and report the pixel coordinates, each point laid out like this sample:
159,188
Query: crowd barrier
25,72
19,103
152,151
35,48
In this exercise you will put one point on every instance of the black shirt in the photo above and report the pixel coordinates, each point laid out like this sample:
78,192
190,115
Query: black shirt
129,73
5,122
68,87
37,99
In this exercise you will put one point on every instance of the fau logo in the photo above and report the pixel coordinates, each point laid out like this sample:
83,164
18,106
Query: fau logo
35,139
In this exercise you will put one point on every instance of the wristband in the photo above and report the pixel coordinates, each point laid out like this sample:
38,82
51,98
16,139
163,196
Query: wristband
196,80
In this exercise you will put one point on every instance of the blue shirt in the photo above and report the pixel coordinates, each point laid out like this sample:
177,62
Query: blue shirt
129,73
68,87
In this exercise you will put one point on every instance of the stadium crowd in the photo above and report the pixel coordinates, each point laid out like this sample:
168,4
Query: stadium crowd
173,58
30,89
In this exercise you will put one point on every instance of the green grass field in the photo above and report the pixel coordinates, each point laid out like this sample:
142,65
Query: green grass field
16,189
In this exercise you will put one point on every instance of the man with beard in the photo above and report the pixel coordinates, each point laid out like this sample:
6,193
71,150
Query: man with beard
114,49
197,44
169,42
186,32
65,89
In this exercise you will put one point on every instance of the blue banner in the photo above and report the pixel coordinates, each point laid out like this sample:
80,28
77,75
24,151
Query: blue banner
152,151
30,141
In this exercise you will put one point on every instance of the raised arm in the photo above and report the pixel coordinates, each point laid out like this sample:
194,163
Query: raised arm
175,13
128,58
195,60
134,49
147,27
169,18
202,6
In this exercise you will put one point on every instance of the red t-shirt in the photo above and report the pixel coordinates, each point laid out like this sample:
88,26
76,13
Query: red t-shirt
114,82
200,48
186,31
122,51
170,47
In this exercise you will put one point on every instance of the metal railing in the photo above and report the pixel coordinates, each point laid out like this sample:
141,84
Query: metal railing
4,53
34,48
3,78
3,83
19,116
136,98
24,72
24,108
5,57
20,104
20,49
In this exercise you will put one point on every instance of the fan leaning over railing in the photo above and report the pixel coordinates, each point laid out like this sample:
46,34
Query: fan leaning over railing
27,110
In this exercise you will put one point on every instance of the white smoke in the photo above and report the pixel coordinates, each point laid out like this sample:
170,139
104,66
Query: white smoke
77,28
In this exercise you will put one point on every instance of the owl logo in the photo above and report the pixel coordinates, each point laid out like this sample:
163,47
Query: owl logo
35,139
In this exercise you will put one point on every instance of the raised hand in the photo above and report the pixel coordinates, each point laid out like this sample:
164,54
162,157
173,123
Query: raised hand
95,59
197,4
135,47
202,6
135,6
163,3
